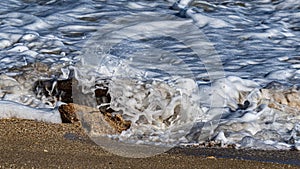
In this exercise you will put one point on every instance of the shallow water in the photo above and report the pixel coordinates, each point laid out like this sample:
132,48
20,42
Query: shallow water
172,67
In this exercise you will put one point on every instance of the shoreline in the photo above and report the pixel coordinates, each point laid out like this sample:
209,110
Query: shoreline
31,144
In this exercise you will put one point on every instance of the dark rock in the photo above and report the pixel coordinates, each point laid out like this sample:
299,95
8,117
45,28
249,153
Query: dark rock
68,113
59,89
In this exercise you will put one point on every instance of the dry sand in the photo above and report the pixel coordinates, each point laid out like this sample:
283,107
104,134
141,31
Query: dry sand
30,144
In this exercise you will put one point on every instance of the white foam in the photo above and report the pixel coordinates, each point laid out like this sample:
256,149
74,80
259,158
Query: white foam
243,126
159,110
203,20
288,4
182,3
18,48
281,74
156,108
10,109
30,36
4,43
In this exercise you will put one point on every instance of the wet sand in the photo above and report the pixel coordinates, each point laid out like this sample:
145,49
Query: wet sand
30,144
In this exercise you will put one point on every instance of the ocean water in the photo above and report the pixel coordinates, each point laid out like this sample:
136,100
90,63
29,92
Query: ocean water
184,72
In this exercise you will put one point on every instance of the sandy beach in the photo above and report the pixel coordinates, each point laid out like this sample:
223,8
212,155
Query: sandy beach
30,144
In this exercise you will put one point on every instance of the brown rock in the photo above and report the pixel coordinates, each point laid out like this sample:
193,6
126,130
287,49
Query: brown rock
284,100
68,113
62,90
92,119
117,121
